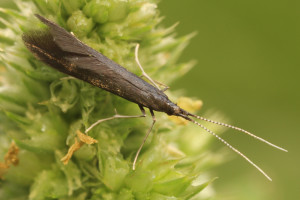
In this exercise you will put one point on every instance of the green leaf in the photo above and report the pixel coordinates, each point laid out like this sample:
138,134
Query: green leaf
79,24
41,109
64,93
71,172
72,5
49,184
173,187
140,181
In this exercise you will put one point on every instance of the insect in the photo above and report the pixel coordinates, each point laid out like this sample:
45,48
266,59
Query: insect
64,52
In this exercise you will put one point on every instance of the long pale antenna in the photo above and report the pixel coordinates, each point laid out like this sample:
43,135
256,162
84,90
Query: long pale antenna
228,145
239,129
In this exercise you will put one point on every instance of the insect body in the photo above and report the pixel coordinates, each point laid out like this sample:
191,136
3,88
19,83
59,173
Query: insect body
64,52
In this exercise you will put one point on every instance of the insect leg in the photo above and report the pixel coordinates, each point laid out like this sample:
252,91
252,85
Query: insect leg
144,73
161,84
116,116
144,140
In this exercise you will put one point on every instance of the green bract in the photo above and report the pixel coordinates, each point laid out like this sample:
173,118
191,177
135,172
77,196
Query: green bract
41,110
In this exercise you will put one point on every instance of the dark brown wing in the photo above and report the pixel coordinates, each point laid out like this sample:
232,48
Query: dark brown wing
41,44
70,48
65,40
64,52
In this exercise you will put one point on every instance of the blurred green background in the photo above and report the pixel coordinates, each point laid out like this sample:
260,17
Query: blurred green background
249,69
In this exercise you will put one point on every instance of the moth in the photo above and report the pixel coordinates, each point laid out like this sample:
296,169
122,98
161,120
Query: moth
61,50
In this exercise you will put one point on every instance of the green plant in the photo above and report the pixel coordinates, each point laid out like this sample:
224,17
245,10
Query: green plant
41,110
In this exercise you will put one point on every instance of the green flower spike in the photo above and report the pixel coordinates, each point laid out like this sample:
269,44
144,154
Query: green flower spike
41,110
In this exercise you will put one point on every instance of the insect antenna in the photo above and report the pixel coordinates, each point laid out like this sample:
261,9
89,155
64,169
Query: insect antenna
238,129
228,145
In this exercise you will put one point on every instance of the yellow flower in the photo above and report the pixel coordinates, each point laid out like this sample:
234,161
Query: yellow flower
189,105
